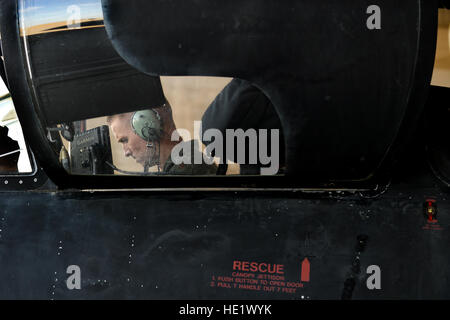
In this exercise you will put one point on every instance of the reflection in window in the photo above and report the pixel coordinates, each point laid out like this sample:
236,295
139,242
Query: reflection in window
13,151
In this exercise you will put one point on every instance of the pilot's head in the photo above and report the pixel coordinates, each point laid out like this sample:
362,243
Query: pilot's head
147,149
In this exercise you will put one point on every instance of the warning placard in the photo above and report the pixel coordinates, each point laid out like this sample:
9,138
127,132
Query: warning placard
257,276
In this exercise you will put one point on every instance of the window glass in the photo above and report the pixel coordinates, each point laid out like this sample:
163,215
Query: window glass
207,126
113,119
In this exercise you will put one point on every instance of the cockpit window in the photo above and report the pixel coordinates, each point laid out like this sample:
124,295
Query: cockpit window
104,117
328,118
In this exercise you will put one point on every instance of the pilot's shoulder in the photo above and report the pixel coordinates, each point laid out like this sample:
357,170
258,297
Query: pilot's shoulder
193,169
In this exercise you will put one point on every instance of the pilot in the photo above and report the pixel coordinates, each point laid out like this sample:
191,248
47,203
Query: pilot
9,152
241,105
146,136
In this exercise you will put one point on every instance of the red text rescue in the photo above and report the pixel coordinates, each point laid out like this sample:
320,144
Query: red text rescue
258,267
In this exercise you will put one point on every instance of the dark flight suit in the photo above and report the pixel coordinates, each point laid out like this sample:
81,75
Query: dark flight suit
241,105
190,169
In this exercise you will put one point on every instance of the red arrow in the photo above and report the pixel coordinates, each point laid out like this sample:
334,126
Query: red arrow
306,268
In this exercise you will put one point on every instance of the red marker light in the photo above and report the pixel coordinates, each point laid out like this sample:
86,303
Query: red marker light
306,269
431,210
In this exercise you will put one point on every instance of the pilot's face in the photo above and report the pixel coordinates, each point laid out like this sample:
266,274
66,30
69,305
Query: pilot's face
133,145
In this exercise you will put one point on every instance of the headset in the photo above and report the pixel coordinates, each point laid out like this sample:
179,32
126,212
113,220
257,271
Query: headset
148,125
